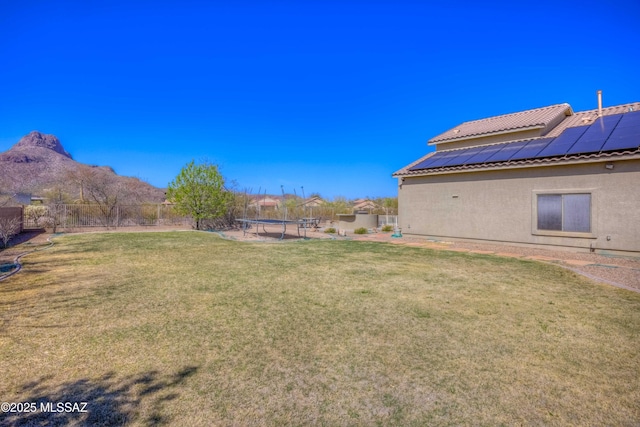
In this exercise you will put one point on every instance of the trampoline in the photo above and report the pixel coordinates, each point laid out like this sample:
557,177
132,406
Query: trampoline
303,223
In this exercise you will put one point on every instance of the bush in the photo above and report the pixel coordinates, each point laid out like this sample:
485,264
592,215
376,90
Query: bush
361,230
387,228
330,230
37,214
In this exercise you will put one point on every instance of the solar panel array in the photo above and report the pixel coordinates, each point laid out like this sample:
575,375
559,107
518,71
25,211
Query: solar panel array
608,133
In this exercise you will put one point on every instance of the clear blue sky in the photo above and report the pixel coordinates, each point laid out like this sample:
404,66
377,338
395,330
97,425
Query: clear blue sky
334,96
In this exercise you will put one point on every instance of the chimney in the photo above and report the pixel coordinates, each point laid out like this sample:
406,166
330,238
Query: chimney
599,103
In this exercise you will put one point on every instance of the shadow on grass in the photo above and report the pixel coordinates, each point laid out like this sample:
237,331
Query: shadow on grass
107,401
25,236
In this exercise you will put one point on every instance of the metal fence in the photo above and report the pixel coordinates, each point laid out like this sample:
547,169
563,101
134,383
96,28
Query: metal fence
65,216
387,220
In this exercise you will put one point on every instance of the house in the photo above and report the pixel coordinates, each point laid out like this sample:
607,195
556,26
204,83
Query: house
364,205
547,177
313,202
311,206
266,203
15,199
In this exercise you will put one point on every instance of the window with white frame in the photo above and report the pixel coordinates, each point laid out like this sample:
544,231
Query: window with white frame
565,212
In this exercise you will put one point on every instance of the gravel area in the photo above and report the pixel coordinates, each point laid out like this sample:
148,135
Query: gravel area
623,272
620,271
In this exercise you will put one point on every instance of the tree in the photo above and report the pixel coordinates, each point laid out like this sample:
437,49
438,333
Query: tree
56,199
390,205
199,191
9,227
104,190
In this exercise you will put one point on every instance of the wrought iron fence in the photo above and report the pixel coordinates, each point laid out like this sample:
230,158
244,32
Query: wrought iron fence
64,216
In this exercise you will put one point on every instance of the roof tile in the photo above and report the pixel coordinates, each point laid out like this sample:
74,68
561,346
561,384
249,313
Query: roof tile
581,118
538,118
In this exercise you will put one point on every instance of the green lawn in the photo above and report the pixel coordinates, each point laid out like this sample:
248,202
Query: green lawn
185,328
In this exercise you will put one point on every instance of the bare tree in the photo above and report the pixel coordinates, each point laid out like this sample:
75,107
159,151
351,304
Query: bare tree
79,178
7,193
56,199
9,227
107,192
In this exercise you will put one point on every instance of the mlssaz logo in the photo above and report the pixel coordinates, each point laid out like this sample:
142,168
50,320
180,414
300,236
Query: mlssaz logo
63,407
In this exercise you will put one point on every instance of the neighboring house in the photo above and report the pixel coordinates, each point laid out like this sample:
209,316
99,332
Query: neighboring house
265,203
15,199
313,202
545,177
364,205
311,205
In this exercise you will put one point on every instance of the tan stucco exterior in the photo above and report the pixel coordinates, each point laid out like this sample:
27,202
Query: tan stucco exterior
499,205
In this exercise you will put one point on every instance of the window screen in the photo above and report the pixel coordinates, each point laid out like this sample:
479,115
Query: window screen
564,212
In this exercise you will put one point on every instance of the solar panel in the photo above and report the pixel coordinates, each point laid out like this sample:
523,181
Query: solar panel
447,159
595,136
463,158
626,138
532,149
482,156
425,163
439,159
562,144
615,132
629,120
507,152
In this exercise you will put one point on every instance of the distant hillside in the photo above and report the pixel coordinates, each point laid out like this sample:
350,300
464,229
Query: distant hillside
38,163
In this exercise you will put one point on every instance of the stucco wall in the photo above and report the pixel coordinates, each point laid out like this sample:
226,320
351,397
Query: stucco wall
350,222
499,205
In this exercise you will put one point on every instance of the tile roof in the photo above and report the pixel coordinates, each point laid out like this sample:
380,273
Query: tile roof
587,117
578,119
538,118
547,161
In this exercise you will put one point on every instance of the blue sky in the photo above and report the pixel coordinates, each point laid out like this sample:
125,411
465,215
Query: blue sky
334,96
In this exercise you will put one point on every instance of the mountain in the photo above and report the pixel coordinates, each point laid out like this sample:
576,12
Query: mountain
39,162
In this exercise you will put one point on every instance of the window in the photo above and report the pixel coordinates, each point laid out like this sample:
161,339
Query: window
564,212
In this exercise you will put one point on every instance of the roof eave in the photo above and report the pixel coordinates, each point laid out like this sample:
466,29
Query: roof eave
543,162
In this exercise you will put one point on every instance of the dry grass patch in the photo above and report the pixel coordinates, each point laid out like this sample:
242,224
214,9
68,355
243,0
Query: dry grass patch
187,328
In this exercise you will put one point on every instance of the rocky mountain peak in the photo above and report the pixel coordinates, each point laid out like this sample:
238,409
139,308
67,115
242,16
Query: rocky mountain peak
37,139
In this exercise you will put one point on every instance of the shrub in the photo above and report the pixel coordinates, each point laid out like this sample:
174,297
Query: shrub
361,230
37,214
387,228
330,230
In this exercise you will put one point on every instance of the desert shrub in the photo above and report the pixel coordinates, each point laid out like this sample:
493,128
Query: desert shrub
37,215
361,230
330,230
387,228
